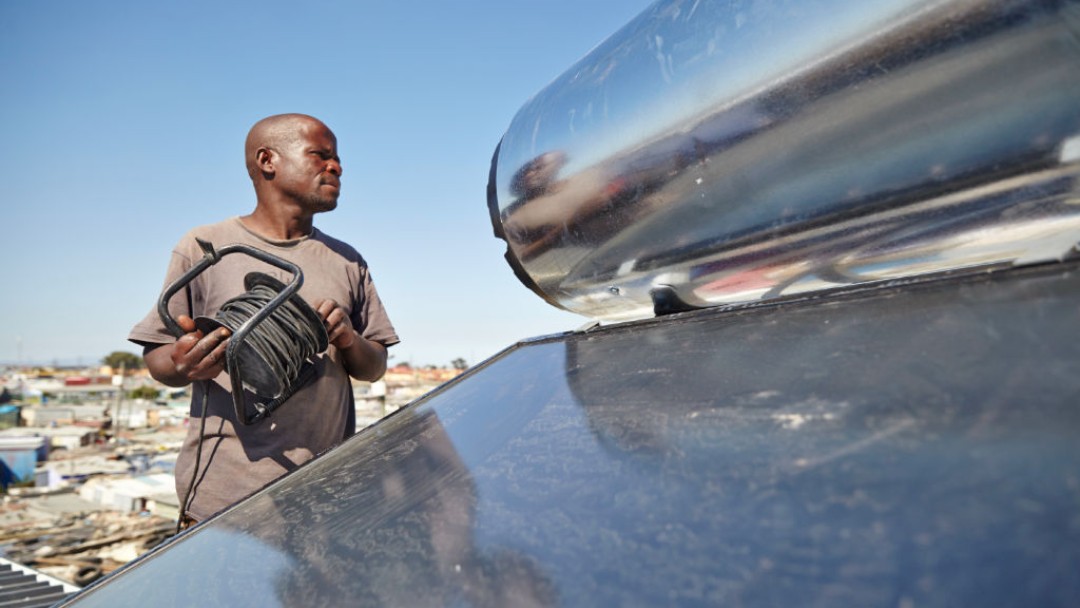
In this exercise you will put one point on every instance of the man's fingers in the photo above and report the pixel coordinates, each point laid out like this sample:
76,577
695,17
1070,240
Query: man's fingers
209,345
186,323
180,355
217,356
338,326
335,318
339,329
201,357
187,342
325,308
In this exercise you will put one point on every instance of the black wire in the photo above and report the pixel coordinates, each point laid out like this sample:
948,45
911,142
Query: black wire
284,340
186,503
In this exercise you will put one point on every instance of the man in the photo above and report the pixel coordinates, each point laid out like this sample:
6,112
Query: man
293,163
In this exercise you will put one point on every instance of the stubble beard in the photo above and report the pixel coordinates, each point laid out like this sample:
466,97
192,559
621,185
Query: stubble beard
321,204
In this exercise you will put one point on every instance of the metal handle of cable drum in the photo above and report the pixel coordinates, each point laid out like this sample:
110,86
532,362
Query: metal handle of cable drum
274,331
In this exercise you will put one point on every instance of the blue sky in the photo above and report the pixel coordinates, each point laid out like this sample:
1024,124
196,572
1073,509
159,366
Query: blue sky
123,126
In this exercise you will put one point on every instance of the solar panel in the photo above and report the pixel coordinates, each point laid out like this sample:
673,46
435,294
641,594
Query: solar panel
913,445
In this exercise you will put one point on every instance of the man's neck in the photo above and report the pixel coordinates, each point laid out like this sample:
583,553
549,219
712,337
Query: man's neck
279,226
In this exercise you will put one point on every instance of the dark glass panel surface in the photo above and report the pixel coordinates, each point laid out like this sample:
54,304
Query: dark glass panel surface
908,446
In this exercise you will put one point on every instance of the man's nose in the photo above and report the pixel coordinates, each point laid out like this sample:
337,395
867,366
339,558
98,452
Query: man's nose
334,166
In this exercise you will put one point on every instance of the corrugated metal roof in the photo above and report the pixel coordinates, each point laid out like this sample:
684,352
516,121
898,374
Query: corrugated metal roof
22,587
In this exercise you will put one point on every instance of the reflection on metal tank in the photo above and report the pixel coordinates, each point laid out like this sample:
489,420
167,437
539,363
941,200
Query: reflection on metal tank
719,152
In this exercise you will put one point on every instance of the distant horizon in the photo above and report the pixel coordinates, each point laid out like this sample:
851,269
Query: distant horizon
76,362
76,365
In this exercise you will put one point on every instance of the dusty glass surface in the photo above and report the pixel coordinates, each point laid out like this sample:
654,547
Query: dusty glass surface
911,446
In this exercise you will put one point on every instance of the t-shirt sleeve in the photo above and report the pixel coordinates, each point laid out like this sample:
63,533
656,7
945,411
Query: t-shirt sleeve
151,330
370,318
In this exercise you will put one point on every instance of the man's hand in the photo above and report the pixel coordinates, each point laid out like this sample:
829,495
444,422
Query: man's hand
363,359
194,356
338,325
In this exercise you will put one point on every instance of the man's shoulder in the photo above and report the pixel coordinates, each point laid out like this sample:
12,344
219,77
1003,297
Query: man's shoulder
340,247
227,228
218,234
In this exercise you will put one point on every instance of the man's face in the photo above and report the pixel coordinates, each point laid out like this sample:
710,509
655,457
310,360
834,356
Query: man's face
308,169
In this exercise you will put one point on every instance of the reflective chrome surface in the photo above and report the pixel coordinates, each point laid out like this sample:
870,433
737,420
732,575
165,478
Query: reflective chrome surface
912,446
724,152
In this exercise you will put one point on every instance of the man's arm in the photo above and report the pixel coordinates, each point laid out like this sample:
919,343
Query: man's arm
363,359
192,357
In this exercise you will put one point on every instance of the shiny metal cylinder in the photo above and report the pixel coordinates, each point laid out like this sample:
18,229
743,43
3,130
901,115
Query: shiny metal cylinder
729,151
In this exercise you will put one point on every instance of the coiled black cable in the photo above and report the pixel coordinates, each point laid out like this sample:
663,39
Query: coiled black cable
283,341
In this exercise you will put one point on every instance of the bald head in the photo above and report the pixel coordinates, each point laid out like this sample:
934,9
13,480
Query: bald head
277,133
294,166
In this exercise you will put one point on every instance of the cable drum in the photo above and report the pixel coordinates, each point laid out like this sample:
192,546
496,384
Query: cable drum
274,332
272,356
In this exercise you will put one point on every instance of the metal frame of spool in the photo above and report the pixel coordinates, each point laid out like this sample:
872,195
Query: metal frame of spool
210,258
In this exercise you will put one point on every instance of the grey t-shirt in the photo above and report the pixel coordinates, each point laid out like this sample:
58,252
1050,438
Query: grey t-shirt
236,459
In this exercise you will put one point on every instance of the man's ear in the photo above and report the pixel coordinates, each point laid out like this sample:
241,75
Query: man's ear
264,160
